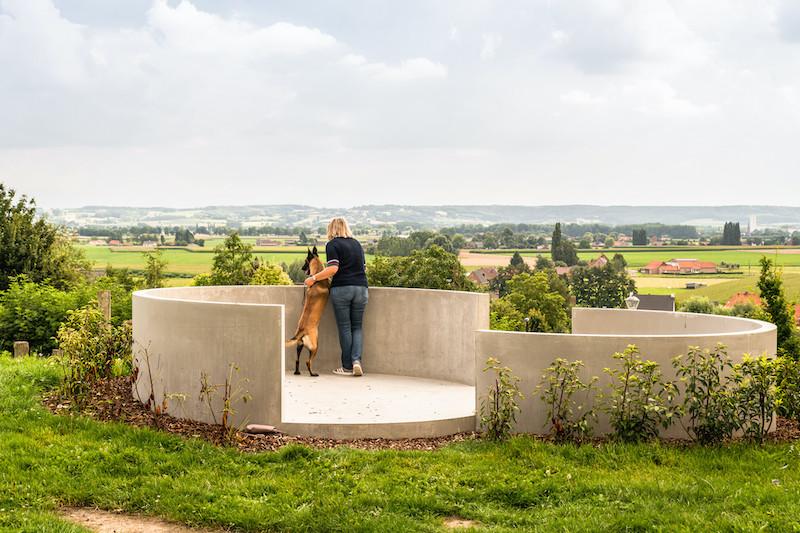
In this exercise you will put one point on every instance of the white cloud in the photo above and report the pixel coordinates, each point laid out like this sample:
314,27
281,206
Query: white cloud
579,97
491,42
656,97
418,68
188,94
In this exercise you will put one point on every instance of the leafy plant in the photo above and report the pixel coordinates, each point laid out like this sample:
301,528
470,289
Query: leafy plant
773,300
568,419
787,372
708,399
270,274
756,394
500,405
92,349
639,400
233,392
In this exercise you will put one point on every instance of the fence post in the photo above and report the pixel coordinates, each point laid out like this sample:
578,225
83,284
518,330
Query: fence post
104,299
21,348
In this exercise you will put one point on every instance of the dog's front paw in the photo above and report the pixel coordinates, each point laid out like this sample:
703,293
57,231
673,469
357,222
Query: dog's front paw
313,375
296,372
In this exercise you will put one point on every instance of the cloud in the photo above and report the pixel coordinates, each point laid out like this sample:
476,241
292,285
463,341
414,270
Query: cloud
491,42
583,98
418,68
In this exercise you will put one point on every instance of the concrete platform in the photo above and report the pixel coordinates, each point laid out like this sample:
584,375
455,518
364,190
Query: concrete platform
375,405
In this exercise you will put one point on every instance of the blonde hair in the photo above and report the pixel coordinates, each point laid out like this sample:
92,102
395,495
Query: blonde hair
338,227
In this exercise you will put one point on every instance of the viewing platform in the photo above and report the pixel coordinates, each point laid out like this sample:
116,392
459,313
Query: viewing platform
424,352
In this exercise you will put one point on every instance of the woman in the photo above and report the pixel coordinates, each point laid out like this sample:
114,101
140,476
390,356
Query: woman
349,293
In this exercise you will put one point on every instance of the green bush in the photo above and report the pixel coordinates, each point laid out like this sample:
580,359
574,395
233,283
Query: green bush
92,349
708,402
787,374
756,395
568,419
269,274
499,407
638,400
33,312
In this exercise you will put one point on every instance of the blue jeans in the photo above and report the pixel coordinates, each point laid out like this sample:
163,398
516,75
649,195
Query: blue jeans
349,302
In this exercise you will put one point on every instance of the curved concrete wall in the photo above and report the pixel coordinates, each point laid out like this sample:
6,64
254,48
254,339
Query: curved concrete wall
411,332
599,333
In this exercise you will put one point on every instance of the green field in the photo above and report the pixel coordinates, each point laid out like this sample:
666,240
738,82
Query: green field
721,292
747,258
48,462
183,261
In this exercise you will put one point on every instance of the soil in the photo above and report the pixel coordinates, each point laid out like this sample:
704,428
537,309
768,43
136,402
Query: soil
113,400
106,522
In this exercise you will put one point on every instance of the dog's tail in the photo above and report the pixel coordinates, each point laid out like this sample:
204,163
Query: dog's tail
297,339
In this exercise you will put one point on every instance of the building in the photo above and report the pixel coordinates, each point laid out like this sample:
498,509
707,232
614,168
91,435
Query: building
743,297
483,276
656,302
267,242
114,242
599,262
679,266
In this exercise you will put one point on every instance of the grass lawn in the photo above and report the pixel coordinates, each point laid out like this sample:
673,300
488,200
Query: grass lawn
182,261
47,461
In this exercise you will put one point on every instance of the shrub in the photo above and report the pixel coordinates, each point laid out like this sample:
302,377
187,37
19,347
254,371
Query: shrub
499,407
787,372
33,312
568,419
708,399
92,349
756,380
698,304
269,274
638,400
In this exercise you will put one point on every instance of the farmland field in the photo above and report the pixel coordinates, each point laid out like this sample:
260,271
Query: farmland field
181,260
747,258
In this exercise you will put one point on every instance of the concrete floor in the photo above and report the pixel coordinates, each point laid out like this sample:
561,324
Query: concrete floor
373,399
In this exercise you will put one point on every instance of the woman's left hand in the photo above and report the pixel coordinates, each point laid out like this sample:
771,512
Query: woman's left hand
309,281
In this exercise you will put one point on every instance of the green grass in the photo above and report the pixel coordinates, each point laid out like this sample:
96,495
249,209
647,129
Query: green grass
48,461
721,292
181,261
639,257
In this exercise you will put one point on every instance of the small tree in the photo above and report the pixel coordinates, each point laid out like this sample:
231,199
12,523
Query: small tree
606,286
773,299
233,262
155,264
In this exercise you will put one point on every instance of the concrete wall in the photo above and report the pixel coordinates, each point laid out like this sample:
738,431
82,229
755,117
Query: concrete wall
186,337
412,332
599,333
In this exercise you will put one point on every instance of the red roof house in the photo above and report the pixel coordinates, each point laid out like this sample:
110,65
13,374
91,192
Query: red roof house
743,297
679,266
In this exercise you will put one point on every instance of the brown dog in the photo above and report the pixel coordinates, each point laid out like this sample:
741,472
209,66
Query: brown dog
314,301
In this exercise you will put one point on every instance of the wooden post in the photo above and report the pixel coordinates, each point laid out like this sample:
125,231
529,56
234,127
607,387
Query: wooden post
21,348
104,299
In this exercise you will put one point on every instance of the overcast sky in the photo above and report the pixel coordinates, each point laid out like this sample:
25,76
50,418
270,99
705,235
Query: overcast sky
141,102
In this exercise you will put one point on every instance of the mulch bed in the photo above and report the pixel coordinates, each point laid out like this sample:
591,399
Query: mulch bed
113,400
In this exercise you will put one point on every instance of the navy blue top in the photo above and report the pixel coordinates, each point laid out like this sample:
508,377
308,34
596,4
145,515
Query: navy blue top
348,255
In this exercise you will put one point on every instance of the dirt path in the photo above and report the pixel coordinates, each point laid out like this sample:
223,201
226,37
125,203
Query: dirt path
105,522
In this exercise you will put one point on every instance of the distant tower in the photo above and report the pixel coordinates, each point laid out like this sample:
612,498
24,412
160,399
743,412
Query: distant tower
752,225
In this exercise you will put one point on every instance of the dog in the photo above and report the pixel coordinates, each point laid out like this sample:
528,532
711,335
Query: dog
314,302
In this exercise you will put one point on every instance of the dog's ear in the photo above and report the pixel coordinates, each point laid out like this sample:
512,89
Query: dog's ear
308,254
314,251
